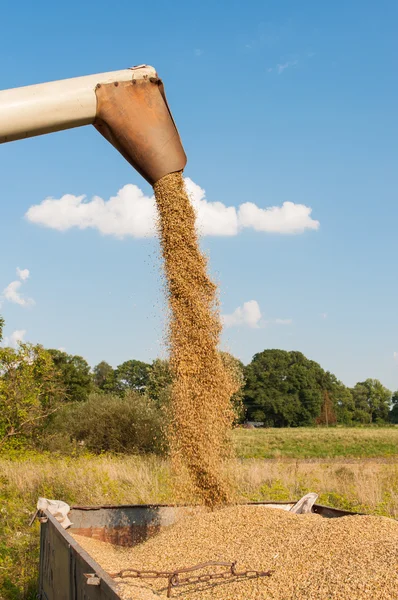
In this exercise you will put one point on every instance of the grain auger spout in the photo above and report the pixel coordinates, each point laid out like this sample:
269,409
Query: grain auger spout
129,108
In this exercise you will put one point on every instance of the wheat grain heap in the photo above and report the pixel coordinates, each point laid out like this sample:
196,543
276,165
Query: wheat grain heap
311,558
202,388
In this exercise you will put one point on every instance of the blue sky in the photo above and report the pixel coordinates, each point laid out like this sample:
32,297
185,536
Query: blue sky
276,102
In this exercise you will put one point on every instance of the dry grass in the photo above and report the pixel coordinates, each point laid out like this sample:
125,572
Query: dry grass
371,484
88,480
360,485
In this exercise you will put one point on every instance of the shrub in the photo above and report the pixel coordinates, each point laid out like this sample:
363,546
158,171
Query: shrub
108,423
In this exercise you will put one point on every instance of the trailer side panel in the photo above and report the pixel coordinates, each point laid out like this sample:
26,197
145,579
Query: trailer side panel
64,567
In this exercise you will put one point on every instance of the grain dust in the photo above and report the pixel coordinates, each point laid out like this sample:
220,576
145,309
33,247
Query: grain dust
311,557
202,388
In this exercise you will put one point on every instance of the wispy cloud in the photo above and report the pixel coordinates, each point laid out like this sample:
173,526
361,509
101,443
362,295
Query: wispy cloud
395,356
198,52
133,214
11,293
282,321
281,67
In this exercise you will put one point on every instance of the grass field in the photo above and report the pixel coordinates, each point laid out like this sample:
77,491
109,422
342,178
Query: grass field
297,461
310,442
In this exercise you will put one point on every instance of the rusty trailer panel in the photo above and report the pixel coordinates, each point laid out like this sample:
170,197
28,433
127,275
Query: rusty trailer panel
67,572
122,525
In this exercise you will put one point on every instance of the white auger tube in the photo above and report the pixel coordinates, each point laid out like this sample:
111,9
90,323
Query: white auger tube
47,107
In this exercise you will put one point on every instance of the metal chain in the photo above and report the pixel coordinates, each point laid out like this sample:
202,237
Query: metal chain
174,579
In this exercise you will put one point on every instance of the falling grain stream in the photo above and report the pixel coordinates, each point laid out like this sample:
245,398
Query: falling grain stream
201,410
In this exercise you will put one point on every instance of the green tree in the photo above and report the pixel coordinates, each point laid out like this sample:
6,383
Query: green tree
343,401
30,391
393,415
1,327
132,375
360,397
74,373
159,382
372,401
283,388
104,377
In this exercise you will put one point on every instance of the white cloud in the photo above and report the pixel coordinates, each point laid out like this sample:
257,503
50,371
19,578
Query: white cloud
395,356
16,337
11,292
249,314
288,218
132,213
23,274
324,315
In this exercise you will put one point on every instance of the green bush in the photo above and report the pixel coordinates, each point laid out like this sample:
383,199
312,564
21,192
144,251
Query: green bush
107,423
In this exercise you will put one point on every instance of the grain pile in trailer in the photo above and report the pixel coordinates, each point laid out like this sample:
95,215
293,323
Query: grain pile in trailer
311,557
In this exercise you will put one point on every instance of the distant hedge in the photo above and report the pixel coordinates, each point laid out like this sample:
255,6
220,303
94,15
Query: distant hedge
131,424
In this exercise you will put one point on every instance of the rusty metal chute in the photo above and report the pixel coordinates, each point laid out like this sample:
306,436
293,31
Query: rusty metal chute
135,118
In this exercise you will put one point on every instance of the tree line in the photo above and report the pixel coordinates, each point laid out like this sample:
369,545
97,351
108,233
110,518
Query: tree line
286,389
278,389
50,397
